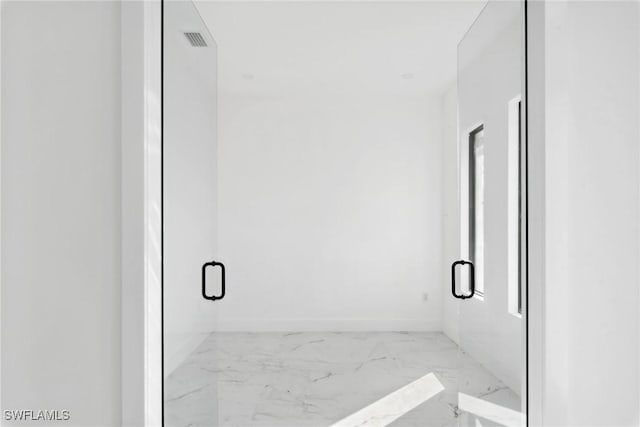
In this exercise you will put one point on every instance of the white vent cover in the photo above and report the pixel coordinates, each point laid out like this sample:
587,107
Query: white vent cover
196,39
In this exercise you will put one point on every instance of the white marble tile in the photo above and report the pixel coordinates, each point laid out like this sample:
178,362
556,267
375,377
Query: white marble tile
483,409
317,379
394,405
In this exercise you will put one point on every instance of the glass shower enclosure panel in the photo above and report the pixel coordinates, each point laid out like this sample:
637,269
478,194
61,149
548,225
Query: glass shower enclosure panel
492,165
192,279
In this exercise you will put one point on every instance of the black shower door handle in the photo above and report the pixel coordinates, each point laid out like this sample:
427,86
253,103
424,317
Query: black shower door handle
472,279
212,264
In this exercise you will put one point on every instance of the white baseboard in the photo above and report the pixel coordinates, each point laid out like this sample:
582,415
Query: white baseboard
333,325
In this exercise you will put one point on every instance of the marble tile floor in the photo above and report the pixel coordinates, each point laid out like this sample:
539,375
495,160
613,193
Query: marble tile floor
319,378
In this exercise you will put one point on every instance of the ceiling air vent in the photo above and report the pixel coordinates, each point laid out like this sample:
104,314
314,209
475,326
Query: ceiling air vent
196,39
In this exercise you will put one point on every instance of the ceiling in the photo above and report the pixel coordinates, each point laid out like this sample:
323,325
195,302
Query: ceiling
269,48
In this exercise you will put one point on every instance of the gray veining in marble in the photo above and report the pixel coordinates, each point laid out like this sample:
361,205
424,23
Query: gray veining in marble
319,378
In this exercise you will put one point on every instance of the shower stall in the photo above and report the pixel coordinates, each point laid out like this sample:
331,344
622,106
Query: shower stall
305,276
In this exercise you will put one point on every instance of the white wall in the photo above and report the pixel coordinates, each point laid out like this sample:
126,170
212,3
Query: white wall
603,147
61,240
591,94
133,205
330,212
141,377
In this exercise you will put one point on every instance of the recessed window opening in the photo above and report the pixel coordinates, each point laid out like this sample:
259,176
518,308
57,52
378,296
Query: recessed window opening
476,206
515,200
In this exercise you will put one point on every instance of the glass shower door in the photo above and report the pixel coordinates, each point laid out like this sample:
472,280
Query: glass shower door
492,160
192,275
